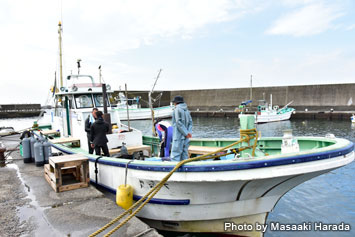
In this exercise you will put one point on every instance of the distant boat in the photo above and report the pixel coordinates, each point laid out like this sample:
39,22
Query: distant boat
352,118
4,131
136,112
268,113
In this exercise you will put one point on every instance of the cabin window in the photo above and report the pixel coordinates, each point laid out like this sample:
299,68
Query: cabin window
83,101
98,99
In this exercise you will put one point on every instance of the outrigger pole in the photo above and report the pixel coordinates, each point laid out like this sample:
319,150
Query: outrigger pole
151,104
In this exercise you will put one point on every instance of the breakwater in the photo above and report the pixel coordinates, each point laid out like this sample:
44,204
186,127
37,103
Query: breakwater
19,110
329,101
320,98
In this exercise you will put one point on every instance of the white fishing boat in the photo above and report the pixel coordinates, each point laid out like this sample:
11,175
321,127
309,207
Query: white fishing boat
269,113
136,112
242,186
4,131
225,180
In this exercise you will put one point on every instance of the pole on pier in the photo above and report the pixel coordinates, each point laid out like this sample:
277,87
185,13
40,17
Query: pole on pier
106,116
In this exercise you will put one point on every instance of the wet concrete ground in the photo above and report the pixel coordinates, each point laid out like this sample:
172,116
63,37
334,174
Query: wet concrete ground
30,207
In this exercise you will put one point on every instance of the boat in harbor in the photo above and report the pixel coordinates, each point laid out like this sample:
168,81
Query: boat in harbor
268,113
136,112
236,180
4,131
242,185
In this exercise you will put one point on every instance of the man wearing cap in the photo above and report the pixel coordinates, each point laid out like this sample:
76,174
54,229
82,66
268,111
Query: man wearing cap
182,125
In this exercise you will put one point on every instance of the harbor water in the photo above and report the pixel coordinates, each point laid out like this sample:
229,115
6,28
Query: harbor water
326,199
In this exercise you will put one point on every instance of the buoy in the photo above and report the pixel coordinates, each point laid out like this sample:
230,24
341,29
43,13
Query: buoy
124,193
124,196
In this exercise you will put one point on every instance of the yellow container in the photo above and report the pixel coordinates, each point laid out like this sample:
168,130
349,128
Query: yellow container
124,196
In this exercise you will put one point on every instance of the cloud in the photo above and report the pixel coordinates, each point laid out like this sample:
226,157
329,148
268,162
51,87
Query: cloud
335,66
351,27
311,19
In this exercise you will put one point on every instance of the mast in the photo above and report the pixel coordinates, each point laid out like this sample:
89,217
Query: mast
60,54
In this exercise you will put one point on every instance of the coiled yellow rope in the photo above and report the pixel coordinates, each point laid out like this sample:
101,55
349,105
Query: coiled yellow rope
243,133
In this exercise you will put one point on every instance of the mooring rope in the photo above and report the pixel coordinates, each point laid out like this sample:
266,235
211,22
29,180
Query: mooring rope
247,133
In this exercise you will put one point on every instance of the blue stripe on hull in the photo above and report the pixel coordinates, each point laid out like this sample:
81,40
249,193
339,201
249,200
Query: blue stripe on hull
152,201
236,166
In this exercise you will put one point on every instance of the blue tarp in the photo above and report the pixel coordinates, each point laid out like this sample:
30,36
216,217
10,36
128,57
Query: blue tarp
246,102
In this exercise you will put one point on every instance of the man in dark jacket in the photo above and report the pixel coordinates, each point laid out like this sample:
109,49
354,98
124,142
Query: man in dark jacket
98,133
88,122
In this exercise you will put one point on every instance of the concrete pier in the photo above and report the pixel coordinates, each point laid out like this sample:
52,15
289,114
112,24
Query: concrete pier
30,207
19,110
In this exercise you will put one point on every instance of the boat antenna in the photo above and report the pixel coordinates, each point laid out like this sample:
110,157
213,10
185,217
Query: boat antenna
129,125
100,75
151,104
60,30
78,62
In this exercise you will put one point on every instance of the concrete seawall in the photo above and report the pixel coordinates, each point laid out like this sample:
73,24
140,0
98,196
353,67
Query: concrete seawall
310,101
19,110
339,97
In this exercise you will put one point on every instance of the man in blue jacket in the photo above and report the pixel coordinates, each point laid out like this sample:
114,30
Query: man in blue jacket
182,125
165,132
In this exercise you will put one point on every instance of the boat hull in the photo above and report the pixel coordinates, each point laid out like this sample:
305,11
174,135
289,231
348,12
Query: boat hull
225,225
272,117
201,196
145,113
190,199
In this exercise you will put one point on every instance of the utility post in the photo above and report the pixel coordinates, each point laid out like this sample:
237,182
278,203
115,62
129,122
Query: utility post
251,89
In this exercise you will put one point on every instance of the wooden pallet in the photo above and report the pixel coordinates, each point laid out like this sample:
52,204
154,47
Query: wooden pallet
76,165
50,133
74,141
132,149
201,150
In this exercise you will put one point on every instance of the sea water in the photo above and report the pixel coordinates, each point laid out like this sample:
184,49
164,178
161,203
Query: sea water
326,199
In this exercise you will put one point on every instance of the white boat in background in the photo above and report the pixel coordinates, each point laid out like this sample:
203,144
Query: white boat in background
136,112
4,131
268,113
144,113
